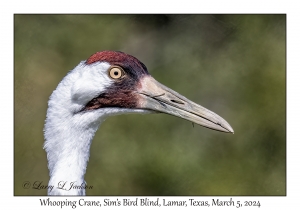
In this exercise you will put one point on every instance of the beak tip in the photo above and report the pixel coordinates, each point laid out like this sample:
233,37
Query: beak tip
225,125
230,130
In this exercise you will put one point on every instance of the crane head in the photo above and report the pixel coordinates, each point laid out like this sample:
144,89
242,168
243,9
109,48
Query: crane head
120,83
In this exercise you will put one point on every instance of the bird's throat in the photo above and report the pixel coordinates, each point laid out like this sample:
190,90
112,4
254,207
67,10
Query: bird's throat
67,143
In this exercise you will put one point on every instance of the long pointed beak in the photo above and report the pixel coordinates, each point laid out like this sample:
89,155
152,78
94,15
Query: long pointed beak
157,97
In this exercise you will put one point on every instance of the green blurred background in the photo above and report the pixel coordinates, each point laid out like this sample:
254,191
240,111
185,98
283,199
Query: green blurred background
233,65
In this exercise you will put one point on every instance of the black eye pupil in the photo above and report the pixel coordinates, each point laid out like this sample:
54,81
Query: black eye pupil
116,73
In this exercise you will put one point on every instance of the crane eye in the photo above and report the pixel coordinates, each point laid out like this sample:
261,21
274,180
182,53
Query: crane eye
116,72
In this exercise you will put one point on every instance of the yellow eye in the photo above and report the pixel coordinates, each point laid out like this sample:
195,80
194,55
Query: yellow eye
116,72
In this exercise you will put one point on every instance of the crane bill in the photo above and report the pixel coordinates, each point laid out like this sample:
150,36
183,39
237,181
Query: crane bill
157,97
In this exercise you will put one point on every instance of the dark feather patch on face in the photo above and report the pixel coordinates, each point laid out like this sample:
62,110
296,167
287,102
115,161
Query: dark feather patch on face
122,93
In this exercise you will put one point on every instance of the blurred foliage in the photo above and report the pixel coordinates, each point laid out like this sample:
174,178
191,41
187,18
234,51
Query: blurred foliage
233,65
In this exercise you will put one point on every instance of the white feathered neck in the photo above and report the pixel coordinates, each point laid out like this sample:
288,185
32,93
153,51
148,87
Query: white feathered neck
69,132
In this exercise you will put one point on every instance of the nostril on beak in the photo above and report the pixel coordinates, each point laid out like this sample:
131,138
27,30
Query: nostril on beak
157,95
178,102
